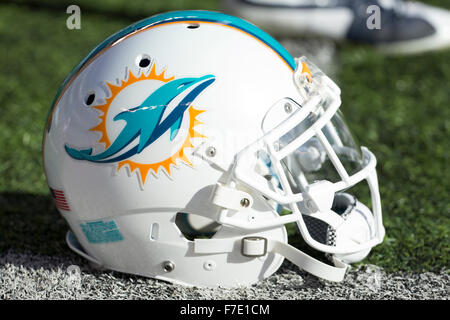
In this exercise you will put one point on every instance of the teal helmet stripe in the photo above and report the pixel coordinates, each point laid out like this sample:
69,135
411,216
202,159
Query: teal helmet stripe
197,15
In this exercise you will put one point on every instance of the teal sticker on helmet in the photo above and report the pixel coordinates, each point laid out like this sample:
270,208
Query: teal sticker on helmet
101,231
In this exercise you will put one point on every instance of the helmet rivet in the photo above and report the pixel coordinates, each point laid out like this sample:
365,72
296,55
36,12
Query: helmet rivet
168,266
211,151
276,146
287,107
209,265
310,205
245,202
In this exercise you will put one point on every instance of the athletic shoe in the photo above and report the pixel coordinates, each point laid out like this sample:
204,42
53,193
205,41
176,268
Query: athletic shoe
394,26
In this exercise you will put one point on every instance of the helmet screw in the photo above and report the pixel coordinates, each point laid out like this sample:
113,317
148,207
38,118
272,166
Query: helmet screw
288,107
211,151
209,265
168,266
310,205
245,202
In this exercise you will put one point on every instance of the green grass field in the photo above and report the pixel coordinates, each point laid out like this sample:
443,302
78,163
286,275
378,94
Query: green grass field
399,107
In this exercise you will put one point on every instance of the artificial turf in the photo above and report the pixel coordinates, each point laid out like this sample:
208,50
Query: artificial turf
396,106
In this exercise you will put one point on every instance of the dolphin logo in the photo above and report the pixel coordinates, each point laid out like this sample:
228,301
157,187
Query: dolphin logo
144,122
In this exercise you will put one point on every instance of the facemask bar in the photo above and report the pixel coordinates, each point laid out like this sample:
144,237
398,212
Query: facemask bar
319,93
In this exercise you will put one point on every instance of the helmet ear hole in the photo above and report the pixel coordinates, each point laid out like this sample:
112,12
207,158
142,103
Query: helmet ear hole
193,226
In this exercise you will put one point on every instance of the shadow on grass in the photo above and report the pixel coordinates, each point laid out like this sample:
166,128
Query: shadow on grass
32,234
30,223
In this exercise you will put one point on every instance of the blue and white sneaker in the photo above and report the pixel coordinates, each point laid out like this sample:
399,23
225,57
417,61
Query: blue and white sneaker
395,26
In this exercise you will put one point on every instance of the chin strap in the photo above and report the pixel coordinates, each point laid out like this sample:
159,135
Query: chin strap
254,247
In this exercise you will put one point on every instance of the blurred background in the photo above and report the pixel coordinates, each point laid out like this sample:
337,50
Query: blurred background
397,106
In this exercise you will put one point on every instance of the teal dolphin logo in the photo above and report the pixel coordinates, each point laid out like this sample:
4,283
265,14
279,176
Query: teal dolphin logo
145,121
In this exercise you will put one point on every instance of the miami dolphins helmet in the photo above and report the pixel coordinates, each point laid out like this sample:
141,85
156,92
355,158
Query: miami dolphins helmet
188,146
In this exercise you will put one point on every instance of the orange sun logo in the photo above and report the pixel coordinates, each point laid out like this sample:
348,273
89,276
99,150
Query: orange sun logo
165,162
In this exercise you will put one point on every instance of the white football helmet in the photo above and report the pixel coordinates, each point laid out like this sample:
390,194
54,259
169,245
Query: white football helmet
181,146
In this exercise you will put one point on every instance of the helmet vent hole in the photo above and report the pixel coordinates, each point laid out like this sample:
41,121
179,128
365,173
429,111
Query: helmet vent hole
143,61
193,26
90,98
154,231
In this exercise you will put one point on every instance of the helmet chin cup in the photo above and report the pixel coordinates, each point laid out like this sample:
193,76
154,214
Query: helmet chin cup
359,227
